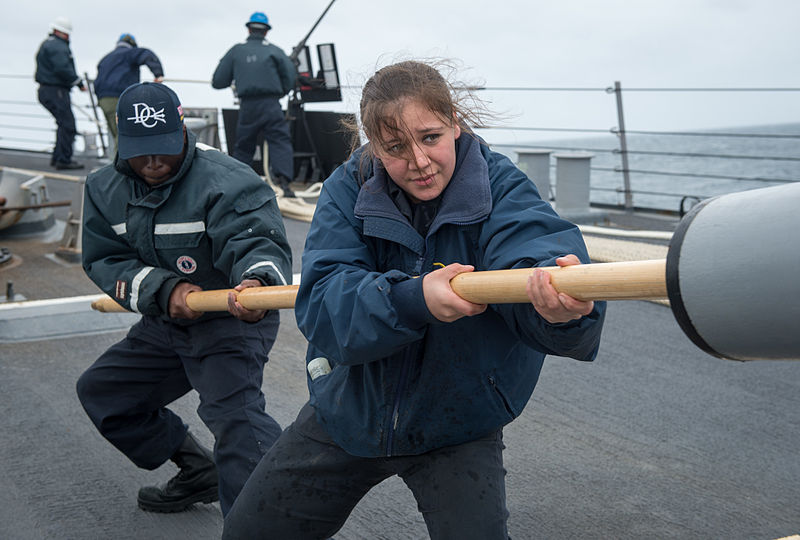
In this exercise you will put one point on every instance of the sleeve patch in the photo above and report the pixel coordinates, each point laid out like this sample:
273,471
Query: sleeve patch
121,289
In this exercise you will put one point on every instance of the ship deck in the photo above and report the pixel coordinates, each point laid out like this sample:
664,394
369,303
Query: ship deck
654,439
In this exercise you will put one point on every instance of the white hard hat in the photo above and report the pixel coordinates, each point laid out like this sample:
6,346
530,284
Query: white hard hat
61,24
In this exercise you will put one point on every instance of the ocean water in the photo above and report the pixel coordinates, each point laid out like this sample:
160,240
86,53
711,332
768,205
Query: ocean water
720,163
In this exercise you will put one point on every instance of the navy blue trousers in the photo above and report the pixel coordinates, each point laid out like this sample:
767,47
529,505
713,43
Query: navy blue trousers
126,391
306,486
264,115
56,100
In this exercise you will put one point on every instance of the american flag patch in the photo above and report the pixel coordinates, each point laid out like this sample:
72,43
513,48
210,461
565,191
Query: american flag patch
122,288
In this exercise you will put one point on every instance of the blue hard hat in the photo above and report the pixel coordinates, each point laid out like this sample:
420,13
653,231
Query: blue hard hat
128,38
258,18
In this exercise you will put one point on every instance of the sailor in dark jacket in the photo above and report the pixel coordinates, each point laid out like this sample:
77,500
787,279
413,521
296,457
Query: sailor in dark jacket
118,70
169,217
262,74
405,377
55,73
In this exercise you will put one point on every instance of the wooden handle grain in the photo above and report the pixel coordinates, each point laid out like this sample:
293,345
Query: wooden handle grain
106,304
632,280
275,297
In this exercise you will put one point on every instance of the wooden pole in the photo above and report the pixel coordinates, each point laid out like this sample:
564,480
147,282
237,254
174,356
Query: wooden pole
277,297
632,280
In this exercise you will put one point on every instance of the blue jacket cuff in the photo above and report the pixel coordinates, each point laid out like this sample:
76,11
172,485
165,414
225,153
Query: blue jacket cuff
409,302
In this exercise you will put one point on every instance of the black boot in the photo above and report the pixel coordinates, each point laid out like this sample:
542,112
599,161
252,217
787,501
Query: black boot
61,165
196,481
283,183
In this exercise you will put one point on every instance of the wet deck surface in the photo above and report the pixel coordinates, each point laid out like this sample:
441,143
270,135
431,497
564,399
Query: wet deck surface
654,439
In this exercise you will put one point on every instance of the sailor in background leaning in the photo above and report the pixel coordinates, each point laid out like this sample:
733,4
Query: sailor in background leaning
262,75
167,218
118,70
55,73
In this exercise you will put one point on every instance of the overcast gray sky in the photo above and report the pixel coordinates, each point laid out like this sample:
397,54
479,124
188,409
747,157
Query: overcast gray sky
563,43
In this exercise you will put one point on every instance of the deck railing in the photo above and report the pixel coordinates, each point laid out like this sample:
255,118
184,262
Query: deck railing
627,162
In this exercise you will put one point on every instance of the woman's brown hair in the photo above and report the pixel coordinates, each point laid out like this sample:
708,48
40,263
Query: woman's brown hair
387,91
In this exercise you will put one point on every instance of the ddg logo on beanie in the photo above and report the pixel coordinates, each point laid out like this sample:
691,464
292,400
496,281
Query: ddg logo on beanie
150,121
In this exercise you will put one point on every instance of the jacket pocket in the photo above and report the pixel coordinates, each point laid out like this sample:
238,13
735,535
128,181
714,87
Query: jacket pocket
178,235
501,396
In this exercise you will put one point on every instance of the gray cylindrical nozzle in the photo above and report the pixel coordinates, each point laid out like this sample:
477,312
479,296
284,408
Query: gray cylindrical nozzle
733,274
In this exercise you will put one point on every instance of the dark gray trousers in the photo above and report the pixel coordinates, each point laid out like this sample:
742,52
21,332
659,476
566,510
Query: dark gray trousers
56,100
127,390
306,486
264,115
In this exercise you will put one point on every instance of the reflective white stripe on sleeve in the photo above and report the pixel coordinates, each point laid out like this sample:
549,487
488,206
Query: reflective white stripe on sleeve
135,284
204,147
271,265
120,228
179,228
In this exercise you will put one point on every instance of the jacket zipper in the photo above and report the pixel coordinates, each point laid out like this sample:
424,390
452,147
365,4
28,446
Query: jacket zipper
401,383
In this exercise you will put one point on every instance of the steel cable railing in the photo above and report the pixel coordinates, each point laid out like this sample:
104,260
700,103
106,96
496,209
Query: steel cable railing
646,162
625,150
716,156
717,134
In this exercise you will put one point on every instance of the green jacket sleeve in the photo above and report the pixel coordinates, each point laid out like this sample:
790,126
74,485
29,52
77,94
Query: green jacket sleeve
115,267
250,240
223,75
288,74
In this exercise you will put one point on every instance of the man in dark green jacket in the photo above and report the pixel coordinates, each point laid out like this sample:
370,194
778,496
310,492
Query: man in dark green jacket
55,73
262,74
167,218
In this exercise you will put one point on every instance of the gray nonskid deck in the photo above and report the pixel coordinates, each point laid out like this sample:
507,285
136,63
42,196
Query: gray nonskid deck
654,439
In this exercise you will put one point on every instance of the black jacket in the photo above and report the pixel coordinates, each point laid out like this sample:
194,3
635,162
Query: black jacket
258,68
54,63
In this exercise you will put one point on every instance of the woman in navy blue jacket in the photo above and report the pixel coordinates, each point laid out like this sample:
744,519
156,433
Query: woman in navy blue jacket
405,377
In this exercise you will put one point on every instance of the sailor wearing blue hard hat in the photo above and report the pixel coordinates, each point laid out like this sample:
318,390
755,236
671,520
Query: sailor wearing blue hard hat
263,75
